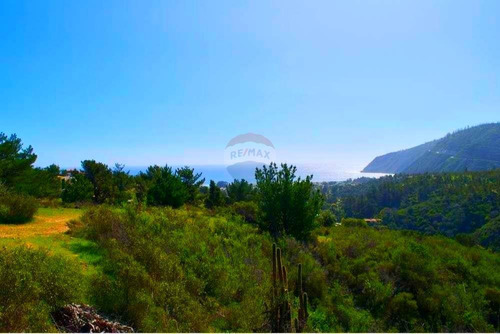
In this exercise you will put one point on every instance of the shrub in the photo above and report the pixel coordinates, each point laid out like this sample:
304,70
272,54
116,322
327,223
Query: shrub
180,270
99,223
32,285
15,208
248,210
406,281
326,218
353,222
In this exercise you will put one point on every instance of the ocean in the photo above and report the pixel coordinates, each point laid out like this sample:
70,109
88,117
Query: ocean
320,172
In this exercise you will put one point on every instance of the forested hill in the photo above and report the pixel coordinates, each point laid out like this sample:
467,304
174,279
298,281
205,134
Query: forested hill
474,149
444,203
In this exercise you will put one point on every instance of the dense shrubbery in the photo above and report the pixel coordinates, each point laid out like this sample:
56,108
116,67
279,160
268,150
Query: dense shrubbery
248,210
403,281
178,270
16,208
326,218
196,271
32,285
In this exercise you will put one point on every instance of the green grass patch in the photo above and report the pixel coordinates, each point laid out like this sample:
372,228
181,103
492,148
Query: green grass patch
86,252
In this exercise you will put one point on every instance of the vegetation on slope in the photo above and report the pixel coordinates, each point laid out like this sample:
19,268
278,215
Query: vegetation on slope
32,285
449,203
199,271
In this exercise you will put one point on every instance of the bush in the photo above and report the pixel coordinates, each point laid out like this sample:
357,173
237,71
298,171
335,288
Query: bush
353,222
326,218
15,208
32,285
248,210
180,270
406,282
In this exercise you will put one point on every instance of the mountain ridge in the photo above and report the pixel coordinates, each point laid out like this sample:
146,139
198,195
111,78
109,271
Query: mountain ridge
473,148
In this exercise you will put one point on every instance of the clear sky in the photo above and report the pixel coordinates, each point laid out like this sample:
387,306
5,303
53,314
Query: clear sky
142,82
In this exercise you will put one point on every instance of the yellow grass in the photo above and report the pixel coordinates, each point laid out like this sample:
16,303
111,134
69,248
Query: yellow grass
47,221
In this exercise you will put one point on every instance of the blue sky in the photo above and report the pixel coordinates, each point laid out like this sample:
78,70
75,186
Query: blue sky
142,82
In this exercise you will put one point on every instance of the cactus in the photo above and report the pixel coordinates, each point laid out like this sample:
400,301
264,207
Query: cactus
281,315
281,312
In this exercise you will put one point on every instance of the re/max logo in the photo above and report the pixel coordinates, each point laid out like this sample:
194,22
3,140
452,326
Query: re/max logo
250,152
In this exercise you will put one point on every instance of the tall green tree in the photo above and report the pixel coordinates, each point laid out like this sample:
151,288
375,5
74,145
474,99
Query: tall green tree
101,177
78,189
191,180
14,159
215,196
288,204
239,190
122,184
39,182
165,187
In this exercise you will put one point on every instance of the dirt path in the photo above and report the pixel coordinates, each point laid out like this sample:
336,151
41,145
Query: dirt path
47,221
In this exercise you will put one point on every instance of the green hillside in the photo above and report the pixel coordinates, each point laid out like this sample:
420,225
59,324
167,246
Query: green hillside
475,149
452,204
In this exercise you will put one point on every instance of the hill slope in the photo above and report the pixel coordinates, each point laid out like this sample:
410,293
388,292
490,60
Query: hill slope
476,148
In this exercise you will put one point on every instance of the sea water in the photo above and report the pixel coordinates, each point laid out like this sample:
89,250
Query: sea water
320,172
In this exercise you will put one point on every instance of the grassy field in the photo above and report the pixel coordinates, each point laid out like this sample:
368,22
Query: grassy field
47,231
47,221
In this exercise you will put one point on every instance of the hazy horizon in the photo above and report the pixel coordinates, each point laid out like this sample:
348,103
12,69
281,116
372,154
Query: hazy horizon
172,82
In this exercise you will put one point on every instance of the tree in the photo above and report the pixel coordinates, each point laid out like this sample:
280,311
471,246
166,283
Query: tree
215,196
239,190
77,189
192,182
122,184
287,204
14,159
165,187
39,182
142,185
101,178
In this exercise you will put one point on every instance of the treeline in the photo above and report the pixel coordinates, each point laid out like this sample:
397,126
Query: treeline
464,205
95,182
